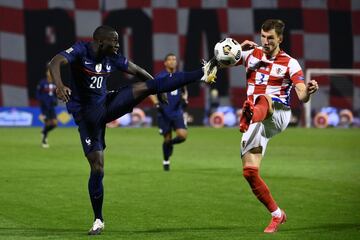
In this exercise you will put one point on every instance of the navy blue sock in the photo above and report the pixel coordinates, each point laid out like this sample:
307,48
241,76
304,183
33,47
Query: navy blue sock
96,192
47,129
173,81
167,150
177,140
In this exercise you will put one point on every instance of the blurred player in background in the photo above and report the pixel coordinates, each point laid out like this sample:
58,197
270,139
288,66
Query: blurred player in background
171,115
46,95
92,106
270,73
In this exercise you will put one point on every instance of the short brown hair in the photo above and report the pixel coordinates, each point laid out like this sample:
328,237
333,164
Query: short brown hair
276,24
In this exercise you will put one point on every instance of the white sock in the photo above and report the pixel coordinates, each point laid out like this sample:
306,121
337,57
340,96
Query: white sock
276,213
166,162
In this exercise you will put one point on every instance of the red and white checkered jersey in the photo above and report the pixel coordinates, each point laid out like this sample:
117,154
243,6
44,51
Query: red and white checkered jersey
272,76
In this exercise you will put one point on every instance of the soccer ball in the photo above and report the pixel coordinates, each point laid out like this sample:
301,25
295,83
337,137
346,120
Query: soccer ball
227,52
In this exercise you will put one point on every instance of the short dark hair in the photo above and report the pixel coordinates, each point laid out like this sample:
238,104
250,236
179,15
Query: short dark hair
101,31
169,55
276,24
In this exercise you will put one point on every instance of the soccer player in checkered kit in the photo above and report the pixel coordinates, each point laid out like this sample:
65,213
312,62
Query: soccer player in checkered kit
92,106
270,75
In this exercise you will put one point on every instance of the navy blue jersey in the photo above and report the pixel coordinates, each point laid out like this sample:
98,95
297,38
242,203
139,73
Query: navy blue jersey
174,108
88,83
45,93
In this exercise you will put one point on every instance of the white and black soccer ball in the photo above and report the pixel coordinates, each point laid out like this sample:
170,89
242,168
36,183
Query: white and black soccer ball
227,52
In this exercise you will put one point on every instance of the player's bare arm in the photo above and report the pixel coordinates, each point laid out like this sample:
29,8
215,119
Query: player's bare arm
62,91
305,91
139,72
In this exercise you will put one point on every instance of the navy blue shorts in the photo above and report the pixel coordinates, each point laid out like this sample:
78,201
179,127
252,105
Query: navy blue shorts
92,119
167,124
48,112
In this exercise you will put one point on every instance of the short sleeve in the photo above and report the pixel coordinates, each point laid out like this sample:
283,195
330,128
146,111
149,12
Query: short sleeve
244,56
121,62
295,72
74,52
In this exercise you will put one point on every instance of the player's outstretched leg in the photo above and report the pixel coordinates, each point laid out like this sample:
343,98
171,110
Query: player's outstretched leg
262,192
173,81
122,101
96,190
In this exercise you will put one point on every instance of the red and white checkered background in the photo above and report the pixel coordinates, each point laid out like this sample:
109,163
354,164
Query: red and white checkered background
170,22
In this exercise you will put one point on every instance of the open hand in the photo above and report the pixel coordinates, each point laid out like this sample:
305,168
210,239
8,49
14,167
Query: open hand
247,45
63,93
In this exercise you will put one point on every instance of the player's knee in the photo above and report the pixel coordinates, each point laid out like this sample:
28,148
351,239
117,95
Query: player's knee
182,135
96,161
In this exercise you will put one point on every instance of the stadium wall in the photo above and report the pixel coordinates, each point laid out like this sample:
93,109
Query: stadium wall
319,33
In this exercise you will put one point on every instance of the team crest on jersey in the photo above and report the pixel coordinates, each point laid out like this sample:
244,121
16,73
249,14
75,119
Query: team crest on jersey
108,68
98,67
278,70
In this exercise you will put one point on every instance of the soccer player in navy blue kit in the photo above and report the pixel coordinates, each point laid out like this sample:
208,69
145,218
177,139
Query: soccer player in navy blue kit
47,98
171,115
92,106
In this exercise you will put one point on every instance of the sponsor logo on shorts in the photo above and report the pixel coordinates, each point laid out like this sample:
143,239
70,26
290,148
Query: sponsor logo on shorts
88,141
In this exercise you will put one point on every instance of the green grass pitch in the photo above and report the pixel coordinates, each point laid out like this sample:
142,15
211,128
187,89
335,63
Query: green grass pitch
313,174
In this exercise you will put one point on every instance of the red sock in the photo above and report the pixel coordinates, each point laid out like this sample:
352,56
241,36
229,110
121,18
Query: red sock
260,109
259,188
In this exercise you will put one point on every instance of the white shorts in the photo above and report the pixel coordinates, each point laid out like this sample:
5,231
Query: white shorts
260,133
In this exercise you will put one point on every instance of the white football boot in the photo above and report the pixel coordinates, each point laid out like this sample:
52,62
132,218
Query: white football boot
44,142
210,70
97,228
